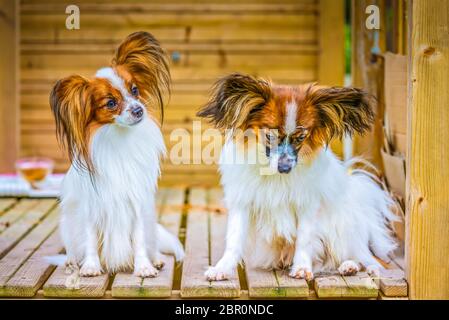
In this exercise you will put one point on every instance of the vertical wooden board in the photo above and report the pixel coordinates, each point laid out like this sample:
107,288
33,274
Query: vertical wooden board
392,283
9,93
11,262
62,285
30,219
6,204
427,218
229,288
193,282
292,288
127,285
30,277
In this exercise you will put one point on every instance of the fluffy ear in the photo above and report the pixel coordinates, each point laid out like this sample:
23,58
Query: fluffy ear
341,110
234,98
71,109
142,56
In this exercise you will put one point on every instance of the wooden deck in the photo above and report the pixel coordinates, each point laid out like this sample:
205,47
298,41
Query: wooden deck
28,232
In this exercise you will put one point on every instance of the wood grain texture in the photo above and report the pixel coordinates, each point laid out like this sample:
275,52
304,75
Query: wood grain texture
218,223
193,282
427,243
62,285
9,88
8,218
30,219
24,269
336,286
392,283
6,204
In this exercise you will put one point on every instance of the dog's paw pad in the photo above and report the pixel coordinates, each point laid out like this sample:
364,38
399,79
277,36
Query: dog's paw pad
348,268
147,271
90,270
215,274
301,273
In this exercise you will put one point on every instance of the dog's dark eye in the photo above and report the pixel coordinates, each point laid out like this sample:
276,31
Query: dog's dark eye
134,91
299,138
111,104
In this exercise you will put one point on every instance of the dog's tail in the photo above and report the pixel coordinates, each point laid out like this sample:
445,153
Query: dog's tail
56,260
169,244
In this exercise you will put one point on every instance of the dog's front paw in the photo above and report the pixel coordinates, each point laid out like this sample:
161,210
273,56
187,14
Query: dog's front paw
145,271
157,261
91,269
70,267
217,274
349,268
301,273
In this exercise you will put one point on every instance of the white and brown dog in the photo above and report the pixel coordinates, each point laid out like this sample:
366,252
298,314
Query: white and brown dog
312,214
108,127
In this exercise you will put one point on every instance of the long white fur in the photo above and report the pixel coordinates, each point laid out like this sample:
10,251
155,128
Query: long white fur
328,214
109,219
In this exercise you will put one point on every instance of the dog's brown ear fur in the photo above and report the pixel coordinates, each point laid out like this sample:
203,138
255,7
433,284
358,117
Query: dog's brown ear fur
72,111
142,56
234,98
341,110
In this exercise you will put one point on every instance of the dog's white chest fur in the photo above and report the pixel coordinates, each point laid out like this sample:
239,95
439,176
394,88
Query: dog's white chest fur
126,161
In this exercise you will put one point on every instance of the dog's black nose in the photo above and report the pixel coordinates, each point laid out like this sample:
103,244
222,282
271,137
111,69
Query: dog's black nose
137,112
284,168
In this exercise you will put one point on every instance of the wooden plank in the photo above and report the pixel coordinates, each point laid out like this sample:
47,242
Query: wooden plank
12,235
9,93
392,283
427,221
330,286
218,221
127,285
62,285
6,204
193,282
291,288
336,286
20,276
262,283
130,286
11,216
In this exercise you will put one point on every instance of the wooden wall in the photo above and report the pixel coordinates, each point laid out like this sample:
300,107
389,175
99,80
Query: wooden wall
279,40
9,78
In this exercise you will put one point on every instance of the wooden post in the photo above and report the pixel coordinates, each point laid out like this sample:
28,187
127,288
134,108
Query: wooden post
427,240
9,84
331,64
366,73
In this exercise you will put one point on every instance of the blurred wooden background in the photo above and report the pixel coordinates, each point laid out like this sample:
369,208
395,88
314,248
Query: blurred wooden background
291,42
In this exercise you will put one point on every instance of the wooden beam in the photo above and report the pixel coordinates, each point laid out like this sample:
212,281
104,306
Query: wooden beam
427,243
367,71
9,84
331,63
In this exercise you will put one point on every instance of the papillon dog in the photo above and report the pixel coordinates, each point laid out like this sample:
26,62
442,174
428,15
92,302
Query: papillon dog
109,127
311,213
